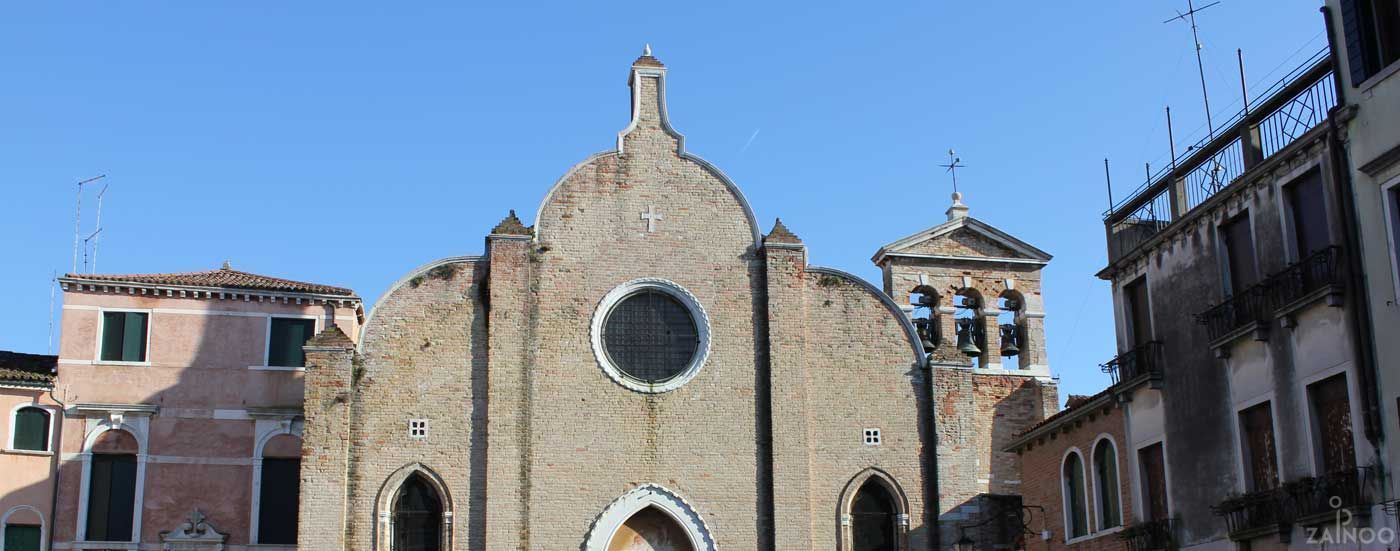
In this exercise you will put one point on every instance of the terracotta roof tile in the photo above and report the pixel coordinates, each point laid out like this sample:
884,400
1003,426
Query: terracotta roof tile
223,278
1073,404
27,369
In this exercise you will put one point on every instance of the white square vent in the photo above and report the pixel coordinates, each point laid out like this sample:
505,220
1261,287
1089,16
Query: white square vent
872,437
417,428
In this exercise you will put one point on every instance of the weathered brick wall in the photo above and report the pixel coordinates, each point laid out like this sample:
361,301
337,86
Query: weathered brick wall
862,374
794,522
1041,463
326,441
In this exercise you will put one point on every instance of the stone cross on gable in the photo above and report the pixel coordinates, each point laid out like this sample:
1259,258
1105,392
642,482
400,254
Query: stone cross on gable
652,217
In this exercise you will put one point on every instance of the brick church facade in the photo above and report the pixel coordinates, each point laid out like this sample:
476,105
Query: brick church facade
644,369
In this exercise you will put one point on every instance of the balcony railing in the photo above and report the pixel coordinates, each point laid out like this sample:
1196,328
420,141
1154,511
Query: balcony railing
1320,271
1302,501
1297,103
1151,535
1146,359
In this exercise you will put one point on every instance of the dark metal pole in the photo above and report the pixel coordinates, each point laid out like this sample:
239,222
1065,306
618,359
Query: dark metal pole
1108,180
1244,91
1171,139
1200,68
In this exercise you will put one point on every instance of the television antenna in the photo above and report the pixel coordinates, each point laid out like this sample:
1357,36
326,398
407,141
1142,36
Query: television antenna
1190,16
79,242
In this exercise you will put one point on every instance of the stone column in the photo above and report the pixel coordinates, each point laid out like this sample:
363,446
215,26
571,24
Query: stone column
507,451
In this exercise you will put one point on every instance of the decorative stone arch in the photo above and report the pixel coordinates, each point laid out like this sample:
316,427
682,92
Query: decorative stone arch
389,491
43,525
601,533
848,498
136,425
267,429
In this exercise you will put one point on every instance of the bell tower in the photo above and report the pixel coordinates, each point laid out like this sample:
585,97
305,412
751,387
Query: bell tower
974,294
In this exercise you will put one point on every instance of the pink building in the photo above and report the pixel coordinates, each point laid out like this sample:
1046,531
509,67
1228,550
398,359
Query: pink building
27,460
182,400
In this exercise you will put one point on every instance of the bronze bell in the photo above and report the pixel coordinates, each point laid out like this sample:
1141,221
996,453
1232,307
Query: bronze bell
924,327
1010,339
966,342
926,300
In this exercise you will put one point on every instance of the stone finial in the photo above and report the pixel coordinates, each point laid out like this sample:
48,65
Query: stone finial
226,265
647,60
781,234
511,225
646,50
958,210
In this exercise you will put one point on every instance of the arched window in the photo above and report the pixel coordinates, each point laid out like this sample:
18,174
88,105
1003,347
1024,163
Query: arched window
1076,507
279,489
873,518
1012,332
1106,485
972,336
417,516
30,429
650,528
112,474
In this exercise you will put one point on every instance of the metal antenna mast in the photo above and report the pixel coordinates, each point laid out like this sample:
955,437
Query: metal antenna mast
53,283
94,236
1190,16
78,219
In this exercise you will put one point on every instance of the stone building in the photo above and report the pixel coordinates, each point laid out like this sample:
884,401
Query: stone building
181,408
27,459
1245,287
644,369
1076,488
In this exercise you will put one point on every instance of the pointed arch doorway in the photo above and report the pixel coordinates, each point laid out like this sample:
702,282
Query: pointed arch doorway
649,518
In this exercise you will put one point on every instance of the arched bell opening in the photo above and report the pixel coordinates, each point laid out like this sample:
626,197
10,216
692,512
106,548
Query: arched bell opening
924,303
650,529
1012,329
971,330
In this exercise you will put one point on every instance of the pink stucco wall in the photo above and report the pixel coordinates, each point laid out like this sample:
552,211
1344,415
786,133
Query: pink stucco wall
26,496
203,372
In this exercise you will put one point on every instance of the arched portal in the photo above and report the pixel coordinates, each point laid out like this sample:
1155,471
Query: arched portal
417,516
873,519
650,529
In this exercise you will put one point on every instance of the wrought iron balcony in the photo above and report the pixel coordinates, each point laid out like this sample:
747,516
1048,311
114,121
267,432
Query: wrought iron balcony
1292,107
1150,535
1305,501
1319,275
1320,272
1324,495
1144,361
1256,513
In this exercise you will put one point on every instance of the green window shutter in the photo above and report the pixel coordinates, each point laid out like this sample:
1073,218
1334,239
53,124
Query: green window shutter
287,337
277,508
111,497
134,340
20,537
32,430
113,324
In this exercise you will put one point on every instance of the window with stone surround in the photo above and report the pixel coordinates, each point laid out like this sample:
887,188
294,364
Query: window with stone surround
1331,423
285,339
1260,455
1106,485
872,437
1372,29
1237,237
1307,208
650,336
22,537
30,429
417,524
1152,463
418,428
124,336
111,497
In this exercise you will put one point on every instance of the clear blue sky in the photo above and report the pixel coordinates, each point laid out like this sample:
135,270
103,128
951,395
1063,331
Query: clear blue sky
347,143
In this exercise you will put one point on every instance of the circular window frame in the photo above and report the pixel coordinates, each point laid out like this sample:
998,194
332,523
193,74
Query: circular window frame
671,288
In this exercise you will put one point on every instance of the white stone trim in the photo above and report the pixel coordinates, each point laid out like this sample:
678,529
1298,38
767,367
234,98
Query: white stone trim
1118,479
1066,524
1390,195
49,441
675,290
267,340
384,506
266,429
848,497
605,526
138,425
43,525
102,327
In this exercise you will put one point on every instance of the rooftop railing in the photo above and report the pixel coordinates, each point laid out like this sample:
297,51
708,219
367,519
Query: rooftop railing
1297,103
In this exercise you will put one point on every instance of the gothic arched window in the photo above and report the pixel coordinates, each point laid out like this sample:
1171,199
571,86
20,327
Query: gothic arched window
1106,486
873,517
417,516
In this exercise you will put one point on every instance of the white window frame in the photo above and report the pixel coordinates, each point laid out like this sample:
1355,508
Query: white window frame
1312,434
1117,473
102,328
1241,465
872,436
267,430
1066,522
43,525
418,424
48,442
138,427
1390,202
267,340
